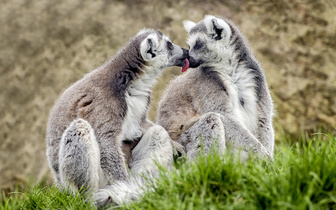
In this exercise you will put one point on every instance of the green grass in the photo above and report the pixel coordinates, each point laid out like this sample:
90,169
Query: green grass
44,197
302,176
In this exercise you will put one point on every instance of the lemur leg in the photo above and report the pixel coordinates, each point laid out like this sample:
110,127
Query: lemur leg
265,134
79,158
208,132
242,140
154,149
226,131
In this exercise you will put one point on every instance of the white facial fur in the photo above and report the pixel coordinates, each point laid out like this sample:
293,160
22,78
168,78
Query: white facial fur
214,45
155,50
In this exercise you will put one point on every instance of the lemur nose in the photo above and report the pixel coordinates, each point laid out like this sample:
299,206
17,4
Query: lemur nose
185,53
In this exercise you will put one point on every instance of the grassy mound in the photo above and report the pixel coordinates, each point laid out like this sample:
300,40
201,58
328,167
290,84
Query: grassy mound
302,176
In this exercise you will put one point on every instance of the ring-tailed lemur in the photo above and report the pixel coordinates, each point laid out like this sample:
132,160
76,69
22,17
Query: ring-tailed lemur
225,97
99,126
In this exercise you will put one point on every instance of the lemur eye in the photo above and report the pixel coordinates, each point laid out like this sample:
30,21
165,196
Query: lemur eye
198,45
170,45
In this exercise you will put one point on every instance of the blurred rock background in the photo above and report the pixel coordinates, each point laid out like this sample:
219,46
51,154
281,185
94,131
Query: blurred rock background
45,46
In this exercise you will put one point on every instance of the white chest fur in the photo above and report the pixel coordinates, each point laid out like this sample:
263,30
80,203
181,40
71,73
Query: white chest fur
137,96
245,100
241,89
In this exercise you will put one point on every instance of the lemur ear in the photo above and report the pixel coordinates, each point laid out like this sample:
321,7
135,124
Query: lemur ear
218,30
188,25
147,48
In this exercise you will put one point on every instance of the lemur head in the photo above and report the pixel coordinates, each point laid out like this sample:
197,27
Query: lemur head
207,39
158,51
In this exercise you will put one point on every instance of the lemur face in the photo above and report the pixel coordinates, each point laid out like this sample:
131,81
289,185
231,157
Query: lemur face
207,39
157,50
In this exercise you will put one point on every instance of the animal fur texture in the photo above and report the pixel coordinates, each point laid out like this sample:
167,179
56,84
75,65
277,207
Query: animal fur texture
98,129
226,96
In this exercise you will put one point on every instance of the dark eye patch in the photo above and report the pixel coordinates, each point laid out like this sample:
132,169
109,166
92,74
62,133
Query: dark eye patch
198,45
170,46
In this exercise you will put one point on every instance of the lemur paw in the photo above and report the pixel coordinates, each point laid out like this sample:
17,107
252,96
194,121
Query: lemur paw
178,149
263,153
103,199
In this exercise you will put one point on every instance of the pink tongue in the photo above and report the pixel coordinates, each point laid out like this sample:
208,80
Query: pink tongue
186,65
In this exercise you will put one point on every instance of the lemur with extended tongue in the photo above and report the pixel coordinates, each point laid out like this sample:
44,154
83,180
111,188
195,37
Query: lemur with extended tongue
99,126
225,98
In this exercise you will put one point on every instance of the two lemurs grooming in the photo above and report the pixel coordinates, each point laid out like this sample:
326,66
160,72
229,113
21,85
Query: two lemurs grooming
98,134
